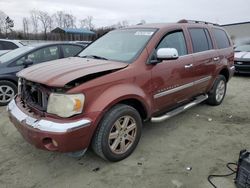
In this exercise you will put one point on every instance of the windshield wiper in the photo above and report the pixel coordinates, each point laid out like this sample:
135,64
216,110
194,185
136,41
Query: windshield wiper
94,57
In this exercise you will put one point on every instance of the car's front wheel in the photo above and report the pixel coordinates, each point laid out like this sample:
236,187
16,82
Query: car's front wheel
7,91
118,133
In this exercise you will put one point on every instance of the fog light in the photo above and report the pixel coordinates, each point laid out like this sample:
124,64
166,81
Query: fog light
50,144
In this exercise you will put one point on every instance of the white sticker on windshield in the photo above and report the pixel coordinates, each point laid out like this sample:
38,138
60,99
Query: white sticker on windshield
145,33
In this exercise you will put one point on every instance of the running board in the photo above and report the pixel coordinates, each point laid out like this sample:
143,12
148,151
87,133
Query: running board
180,109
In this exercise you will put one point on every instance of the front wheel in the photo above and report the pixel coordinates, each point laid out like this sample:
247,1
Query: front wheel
118,133
7,92
218,91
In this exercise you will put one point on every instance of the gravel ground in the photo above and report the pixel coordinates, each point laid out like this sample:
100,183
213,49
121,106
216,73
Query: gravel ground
204,138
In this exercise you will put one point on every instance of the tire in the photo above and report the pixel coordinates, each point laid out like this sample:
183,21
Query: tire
218,92
109,138
7,91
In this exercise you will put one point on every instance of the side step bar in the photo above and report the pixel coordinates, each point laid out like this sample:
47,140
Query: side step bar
180,109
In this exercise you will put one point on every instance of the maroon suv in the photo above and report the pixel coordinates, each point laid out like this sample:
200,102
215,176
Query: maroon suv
146,72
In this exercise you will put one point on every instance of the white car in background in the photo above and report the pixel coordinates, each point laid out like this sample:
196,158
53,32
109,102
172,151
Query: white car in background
242,58
7,45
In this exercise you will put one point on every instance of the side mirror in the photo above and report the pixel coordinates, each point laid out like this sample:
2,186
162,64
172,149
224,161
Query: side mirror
167,54
27,62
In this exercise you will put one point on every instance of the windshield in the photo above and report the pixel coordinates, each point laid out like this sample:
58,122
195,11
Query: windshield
119,45
14,53
243,48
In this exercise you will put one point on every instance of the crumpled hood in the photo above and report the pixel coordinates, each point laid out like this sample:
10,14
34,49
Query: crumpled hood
60,72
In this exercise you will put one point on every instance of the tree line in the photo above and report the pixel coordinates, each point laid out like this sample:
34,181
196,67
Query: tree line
39,24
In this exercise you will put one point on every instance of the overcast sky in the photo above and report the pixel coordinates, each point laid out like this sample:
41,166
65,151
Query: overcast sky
108,12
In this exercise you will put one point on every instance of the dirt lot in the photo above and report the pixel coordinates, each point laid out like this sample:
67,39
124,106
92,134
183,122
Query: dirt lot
160,160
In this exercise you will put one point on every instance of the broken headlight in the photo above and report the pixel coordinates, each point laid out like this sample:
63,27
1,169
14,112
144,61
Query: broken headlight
65,105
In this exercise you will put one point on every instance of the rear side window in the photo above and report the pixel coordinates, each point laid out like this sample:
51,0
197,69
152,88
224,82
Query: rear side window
7,45
174,40
221,38
44,54
200,39
71,50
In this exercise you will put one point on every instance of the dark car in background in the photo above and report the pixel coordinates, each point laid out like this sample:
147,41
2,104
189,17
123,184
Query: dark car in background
242,59
20,58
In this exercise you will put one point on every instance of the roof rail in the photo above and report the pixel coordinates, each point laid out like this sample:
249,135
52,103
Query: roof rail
196,21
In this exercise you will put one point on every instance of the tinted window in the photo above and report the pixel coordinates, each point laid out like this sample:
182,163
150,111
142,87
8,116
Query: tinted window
44,54
174,40
20,61
70,50
221,38
199,40
8,45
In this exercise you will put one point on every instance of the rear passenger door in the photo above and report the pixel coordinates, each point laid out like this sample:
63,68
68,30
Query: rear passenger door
225,51
205,58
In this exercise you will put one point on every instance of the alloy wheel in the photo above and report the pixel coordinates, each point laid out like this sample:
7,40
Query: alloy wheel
220,91
122,134
6,93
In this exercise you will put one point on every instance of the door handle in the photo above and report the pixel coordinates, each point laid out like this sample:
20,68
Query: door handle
188,66
216,58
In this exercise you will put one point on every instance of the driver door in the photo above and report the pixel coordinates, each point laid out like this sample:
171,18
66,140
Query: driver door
172,79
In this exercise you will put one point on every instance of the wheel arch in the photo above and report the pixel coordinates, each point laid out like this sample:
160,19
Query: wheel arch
131,100
8,78
128,94
225,72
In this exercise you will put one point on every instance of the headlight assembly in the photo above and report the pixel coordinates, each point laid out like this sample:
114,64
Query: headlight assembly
65,105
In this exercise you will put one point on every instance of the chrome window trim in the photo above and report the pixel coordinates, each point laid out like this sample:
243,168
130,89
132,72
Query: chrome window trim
164,93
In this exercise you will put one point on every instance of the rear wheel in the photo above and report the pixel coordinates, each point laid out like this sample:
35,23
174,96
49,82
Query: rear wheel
118,133
7,92
218,91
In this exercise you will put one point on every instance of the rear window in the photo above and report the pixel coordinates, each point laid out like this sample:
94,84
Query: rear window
200,39
221,38
7,45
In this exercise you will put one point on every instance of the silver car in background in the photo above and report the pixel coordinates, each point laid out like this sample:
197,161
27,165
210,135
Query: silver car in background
242,59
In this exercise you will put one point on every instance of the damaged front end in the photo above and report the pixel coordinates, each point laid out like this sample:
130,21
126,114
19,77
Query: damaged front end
55,101
35,95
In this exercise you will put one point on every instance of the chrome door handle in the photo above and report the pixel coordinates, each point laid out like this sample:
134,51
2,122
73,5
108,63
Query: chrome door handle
216,58
188,66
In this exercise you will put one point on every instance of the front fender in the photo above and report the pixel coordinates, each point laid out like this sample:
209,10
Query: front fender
9,77
117,93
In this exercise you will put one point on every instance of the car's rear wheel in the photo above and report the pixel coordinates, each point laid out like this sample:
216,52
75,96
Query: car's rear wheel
118,133
218,91
7,91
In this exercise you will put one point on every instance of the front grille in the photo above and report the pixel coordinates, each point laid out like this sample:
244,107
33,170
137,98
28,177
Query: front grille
242,62
34,95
